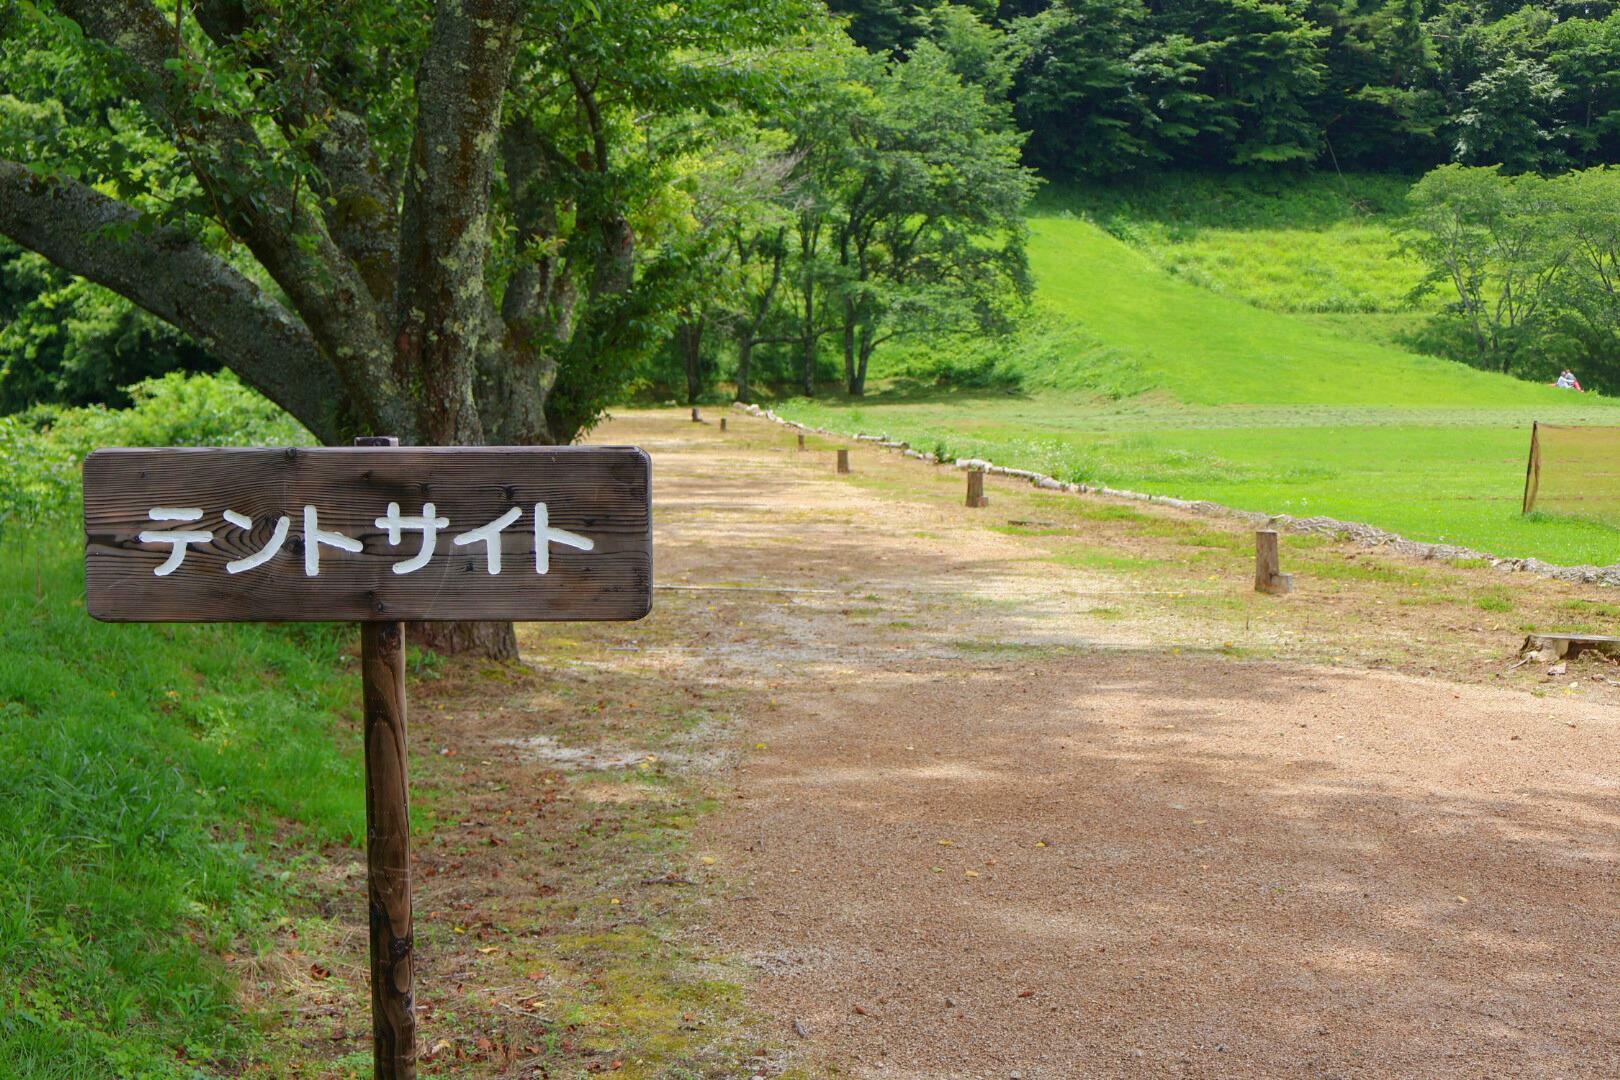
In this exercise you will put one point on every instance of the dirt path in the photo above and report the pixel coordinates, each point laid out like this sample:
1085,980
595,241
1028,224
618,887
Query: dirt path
1001,812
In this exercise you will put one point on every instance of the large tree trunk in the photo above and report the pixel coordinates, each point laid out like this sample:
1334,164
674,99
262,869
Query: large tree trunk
745,364
381,320
496,640
867,346
689,343
850,318
807,342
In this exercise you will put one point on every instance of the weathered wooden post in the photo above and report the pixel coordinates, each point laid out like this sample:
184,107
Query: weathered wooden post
1268,576
383,535
843,461
388,842
696,419
975,489
801,442
722,423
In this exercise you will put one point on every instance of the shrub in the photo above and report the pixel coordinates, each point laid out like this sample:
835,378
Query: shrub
42,449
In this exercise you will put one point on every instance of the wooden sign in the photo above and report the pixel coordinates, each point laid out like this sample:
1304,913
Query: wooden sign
368,533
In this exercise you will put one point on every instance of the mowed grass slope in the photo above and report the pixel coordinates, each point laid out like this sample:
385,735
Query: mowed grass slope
1204,348
1133,375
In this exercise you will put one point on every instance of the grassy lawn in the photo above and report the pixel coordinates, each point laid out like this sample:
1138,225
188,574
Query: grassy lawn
1132,375
159,787
1453,476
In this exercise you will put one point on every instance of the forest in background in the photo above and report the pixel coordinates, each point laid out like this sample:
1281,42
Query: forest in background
857,179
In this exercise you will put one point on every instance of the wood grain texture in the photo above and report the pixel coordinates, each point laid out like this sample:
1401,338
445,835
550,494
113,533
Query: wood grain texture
388,851
603,493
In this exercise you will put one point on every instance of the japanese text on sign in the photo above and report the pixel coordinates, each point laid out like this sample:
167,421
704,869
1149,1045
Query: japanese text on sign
428,523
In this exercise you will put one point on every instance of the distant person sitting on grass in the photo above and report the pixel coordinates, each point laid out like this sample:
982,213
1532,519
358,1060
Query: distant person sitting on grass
1568,381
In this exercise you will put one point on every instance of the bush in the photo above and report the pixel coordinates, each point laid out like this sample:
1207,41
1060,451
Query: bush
42,449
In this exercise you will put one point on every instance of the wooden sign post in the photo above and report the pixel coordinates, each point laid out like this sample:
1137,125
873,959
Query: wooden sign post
380,535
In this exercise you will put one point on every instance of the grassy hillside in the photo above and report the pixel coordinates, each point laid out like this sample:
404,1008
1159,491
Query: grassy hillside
1324,245
1133,375
158,784
1205,348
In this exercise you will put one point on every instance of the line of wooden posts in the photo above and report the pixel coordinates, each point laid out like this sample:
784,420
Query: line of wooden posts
1268,575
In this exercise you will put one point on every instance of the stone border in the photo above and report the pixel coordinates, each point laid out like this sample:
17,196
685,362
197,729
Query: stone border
1365,535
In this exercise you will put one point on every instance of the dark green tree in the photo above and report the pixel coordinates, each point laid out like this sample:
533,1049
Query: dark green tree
65,341
1080,89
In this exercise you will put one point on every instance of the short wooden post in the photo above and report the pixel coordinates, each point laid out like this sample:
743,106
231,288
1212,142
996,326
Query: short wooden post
696,419
843,461
975,489
1268,576
801,442
722,423
388,844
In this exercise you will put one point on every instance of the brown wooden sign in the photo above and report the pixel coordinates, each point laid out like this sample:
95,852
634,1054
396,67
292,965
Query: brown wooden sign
368,533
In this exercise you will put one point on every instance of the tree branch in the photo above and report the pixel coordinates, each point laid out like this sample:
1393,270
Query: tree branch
324,286
361,214
181,282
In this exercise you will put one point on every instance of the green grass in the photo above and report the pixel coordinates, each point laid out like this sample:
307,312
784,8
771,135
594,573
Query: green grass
1204,348
1324,244
156,786
1134,376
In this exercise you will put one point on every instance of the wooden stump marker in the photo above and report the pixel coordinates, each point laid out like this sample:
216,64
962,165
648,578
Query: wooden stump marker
1268,575
696,418
975,489
384,534
843,461
801,443
722,423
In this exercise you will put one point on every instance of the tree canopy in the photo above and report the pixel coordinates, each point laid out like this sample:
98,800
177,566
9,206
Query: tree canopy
451,222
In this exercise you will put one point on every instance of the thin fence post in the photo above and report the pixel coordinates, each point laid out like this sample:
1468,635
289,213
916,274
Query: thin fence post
722,423
801,442
843,461
1532,469
696,419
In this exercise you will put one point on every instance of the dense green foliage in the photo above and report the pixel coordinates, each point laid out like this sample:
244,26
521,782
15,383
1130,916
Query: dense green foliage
796,202
154,780
456,223
43,448
1128,86
885,202
1529,268
66,341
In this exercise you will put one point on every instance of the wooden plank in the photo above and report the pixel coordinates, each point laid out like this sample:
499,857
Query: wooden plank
1568,646
595,495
